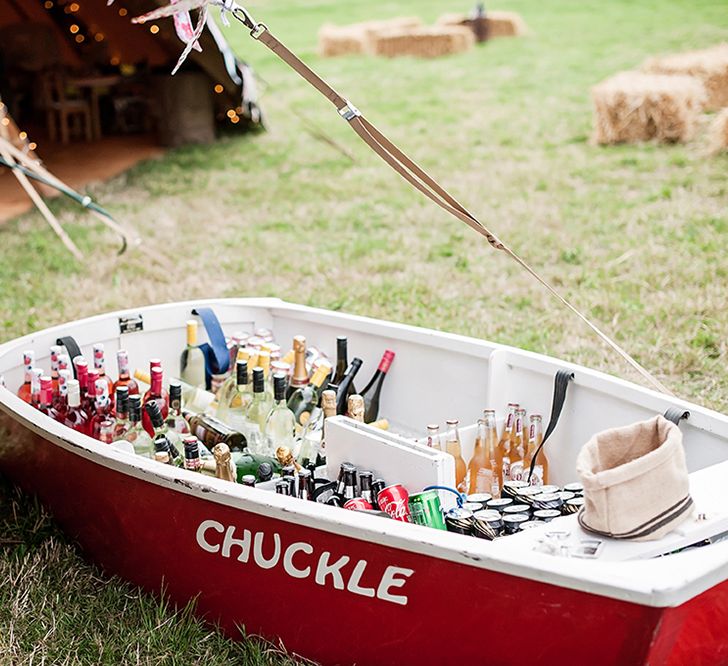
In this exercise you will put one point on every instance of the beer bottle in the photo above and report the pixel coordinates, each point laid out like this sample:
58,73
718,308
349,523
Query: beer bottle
504,445
452,446
518,447
483,469
433,437
540,470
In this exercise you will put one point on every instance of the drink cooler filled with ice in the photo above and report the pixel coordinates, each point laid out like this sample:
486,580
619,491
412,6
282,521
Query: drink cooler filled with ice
379,591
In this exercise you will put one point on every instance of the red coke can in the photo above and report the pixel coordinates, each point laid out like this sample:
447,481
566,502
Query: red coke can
357,504
394,500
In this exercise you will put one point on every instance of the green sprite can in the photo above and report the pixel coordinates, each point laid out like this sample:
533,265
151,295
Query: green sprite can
425,509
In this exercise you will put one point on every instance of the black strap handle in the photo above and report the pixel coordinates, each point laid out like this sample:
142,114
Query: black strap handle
72,348
675,414
561,383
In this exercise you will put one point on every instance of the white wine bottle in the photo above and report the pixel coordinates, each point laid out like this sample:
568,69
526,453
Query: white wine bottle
192,361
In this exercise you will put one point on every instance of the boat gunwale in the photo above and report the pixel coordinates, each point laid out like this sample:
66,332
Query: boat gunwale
642,582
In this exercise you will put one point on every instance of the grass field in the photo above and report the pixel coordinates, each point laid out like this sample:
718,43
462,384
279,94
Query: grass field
636,236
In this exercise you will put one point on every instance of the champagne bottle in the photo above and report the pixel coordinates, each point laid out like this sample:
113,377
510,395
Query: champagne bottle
305,399
192,361
246,464
452,446
280,424
300,374
373,389
342,392
224,465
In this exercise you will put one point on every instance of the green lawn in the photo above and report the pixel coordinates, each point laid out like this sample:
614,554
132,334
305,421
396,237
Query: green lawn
636,236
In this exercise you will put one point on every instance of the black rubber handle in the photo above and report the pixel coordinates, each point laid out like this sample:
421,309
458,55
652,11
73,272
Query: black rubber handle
675,414
72,348
561,383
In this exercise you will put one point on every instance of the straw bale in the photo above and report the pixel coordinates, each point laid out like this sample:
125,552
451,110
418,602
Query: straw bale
426,42
499,23
635,106
718,132
335,40
709,65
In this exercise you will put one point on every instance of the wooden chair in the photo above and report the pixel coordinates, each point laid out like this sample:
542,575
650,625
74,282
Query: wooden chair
61,110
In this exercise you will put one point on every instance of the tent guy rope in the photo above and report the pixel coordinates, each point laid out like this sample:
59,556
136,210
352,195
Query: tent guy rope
387,151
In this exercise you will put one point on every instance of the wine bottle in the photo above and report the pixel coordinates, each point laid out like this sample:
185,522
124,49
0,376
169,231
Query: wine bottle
100,367
211,431
175,421
194,399
102,411
28,363
125,379
162,442
61,400
230,385
192,361
138,437
341,360
373,389
45,404
76,417
303,400
342,392
257,412
233,411
157,394
56,351
299,378
280,424
192,460
35,377
80,365
121,424
90,403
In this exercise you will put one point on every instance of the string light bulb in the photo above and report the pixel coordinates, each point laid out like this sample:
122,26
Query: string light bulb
79,38
74,7
74,29
218,88
154,29
123,12
32,145
231,113
48,4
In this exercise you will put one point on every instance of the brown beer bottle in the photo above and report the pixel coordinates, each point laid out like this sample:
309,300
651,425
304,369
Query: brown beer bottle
541,469
505,454
452,446
518,447
483,474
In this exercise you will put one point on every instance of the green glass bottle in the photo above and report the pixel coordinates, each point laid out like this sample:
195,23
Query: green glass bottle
139,438
233,412
305,399
257,413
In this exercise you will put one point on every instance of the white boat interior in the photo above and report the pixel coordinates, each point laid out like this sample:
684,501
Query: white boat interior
435,376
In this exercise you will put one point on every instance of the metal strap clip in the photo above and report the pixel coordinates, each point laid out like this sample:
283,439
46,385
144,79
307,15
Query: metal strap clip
349,111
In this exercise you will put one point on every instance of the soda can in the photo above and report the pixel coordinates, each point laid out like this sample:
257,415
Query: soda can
546,515
547,501
516,508
459,521
479,498
499,504
512,488
511,524
425,509
394,500
472,506
487,524
575,488
572,505
358,504
550,489
529,524
527,494
566,495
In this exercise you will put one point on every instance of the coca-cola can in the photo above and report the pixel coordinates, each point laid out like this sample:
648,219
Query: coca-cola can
358,504
394,500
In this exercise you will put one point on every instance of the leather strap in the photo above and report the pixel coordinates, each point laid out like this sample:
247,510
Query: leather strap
415,175
561,384
217,357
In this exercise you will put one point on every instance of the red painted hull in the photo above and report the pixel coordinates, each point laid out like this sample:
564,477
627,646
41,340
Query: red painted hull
455,613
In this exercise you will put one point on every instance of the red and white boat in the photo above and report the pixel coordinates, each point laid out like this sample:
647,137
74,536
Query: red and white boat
344,587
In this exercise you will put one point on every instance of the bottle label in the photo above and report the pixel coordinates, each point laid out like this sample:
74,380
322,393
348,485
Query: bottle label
506,468
537,476
54,360
484,480
516,471
532,432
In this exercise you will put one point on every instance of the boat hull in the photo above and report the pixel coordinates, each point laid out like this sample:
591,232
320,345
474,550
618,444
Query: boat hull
165,539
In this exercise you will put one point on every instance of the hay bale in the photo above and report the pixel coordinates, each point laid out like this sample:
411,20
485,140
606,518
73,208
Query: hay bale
336,40
355,38
634,106
709,65
498,23
718,133
423,42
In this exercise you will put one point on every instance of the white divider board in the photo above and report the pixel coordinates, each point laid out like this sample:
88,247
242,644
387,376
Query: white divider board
389,456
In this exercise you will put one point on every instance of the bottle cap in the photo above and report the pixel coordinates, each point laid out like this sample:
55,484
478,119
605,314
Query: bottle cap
154,413
134,406
279,386
328,400
241,372
355,407
265,471
299,343
175,390
161,443
258,380
386,361
122,399
248,480
161,456
192,447
191,332
74,393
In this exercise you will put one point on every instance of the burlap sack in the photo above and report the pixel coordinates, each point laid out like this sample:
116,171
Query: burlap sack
635,481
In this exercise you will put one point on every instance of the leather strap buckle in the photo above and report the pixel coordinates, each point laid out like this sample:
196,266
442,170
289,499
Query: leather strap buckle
349,111
258,30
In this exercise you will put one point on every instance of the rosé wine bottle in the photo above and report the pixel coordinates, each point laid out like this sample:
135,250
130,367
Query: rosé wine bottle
46,397
100,367
28,362
56,351
60,401
156,393
102,405
81,366
35,375
125,379
75,417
